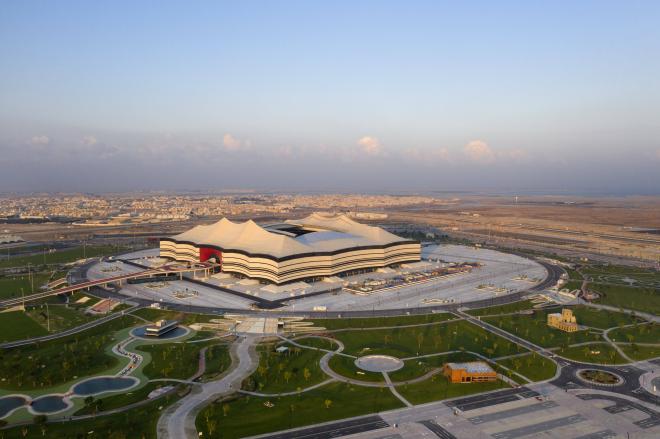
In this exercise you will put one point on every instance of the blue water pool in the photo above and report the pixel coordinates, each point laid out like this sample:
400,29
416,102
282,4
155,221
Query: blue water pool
47,404
174,333
103,384
9,403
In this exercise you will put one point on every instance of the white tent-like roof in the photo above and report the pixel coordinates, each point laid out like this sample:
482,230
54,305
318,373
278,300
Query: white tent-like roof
323,234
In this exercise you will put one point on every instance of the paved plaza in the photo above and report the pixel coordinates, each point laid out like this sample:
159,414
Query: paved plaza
499,274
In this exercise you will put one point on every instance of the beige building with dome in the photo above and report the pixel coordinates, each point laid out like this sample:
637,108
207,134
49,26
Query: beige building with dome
310,248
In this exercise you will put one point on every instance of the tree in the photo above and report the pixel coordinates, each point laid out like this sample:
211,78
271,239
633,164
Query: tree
287,376
327,403
307,374
211,425
225,409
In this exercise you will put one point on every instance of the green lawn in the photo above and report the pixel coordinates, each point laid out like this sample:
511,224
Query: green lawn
139,423
638,299
411,342
17,325
343,401
11,286
173,360
648,333
286,371
603,354
62,257
438,388
534,327
27,367
60,317
217,359
639,353
319,343
602,319
376,322
533,366
502,309
346,366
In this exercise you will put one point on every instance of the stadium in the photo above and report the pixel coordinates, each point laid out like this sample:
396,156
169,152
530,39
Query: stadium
307,249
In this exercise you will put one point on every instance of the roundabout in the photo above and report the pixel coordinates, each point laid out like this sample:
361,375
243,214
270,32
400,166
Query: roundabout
379,363
600,377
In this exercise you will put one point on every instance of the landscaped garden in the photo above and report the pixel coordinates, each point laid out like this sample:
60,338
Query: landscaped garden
533,366
295,368
534,327
48,364
329,402
416,341
597,353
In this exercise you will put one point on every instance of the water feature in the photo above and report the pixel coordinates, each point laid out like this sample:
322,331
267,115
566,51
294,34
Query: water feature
9,403
103,384
49,404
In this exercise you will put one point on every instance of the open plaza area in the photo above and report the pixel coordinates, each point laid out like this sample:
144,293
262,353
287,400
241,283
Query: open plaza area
493,274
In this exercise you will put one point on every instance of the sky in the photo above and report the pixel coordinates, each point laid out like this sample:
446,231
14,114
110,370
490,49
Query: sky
559,96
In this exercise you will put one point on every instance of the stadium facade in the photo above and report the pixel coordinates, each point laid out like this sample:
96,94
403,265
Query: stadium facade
307,249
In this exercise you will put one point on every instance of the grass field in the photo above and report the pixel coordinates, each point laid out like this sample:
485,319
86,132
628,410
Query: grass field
223,420
175,360
601,319
59,317
11,286
376,322
597,353
535,329
649,333
18,325
437,388
285,372
639,353
61,257
638,299
346,366
502,309
319,343
26,367
217,359
412,342
532,366
138,423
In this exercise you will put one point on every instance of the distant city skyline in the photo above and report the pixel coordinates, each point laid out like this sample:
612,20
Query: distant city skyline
371,96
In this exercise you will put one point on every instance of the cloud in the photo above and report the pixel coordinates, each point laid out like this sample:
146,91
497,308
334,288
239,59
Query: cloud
479,151
516,154
89,140
231,143
40,140
370,145
426,157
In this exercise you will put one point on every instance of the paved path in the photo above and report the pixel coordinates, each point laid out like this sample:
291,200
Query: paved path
394,391
178,421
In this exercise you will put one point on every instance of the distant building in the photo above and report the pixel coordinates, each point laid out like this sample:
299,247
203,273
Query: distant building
161,327
564,321
470,372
